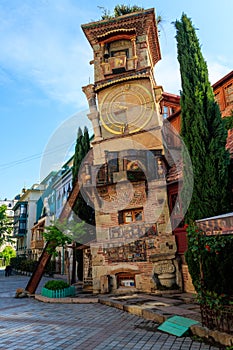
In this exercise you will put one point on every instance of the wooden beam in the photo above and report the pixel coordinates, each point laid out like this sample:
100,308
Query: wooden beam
45,256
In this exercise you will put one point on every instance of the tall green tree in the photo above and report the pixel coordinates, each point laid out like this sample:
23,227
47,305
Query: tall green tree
8,253
85,141
78,155
202,129
82,209
6,226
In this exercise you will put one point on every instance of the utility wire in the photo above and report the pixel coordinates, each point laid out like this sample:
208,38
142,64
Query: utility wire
32,157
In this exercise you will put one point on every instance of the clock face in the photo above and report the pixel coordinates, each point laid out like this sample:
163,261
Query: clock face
126,108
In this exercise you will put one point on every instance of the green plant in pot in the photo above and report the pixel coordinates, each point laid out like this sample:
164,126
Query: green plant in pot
56,285
57,289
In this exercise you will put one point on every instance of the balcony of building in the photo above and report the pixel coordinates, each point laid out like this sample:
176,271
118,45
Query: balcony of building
37,244
19,230
37,239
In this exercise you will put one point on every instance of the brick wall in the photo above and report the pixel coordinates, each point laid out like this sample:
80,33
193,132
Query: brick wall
187,281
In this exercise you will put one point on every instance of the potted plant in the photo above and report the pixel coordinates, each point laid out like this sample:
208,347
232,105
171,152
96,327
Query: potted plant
57,289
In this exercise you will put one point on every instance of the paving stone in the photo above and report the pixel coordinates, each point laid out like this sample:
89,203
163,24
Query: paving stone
31,324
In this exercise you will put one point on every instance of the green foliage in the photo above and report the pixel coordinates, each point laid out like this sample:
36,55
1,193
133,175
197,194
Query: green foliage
78,155
86,141
23,264
119,10
56,285
8,253
213,300
82,209
203,131
29,265
76,230
6,226
16,262
229,121
82,147
56,238
210,263
61,233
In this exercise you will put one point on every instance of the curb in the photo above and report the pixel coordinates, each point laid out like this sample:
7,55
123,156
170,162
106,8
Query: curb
195,330
210,335
66,300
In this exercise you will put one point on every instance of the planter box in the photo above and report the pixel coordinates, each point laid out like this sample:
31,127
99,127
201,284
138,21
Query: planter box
60,293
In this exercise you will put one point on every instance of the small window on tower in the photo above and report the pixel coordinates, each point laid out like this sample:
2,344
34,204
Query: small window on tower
130,216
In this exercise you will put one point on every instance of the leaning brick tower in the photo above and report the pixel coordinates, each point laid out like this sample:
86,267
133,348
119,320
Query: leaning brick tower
134,247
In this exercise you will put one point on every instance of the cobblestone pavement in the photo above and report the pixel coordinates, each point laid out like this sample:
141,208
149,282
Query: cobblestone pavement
29,324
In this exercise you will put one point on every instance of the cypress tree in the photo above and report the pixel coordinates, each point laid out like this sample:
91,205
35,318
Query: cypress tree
85,212
85,141
82,209
202,130
78,155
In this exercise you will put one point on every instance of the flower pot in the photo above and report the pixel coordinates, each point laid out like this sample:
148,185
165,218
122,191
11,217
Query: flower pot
60,293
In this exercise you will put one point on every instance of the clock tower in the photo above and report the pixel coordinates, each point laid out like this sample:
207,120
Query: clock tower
134,244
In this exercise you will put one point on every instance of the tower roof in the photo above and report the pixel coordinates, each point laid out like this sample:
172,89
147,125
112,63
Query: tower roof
141,23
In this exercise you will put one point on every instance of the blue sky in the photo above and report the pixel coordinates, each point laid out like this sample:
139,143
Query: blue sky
44,62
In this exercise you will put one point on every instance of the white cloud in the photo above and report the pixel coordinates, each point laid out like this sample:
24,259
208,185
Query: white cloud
217,70
47,48
43,42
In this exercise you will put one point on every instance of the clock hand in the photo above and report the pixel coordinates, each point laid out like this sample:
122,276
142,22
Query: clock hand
119,108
